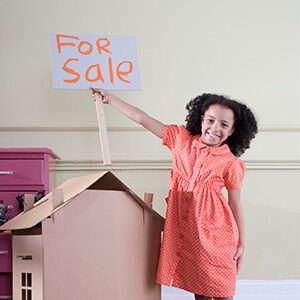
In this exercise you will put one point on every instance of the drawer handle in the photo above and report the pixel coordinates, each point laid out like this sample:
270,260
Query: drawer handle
25,257
6,172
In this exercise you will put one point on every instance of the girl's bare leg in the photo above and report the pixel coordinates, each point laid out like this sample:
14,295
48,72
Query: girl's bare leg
200,297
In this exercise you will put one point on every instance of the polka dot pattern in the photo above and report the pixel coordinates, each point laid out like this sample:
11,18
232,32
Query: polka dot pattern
200,233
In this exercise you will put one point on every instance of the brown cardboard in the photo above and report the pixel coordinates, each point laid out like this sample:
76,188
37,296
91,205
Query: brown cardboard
148,199
57,198
101,242
28,202
72,187
27,259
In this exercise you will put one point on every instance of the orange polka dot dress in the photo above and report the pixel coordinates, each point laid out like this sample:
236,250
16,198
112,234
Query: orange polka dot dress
200,233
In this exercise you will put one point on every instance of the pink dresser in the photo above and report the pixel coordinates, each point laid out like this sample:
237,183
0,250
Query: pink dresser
22,171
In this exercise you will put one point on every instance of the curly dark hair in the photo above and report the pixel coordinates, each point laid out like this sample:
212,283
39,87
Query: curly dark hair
245,124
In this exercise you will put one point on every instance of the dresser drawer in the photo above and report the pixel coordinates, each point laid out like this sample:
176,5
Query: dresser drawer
5,253
5,286
21,172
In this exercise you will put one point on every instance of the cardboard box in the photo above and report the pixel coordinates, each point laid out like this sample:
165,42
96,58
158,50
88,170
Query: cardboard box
96,240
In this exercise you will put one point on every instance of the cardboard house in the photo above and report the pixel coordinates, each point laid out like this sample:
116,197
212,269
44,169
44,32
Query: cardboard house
91,238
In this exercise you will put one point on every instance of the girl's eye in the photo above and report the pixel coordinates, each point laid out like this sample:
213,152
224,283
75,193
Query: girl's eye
210,120
224,125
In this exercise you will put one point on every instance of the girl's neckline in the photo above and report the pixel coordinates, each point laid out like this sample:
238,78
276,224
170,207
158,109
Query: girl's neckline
223,149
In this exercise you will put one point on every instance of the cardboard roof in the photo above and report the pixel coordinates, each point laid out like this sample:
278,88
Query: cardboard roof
72,187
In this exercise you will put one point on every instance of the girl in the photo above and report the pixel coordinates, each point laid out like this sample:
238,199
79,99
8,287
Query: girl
203,244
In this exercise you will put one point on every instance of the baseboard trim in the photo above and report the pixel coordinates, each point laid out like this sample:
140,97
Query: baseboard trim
248,290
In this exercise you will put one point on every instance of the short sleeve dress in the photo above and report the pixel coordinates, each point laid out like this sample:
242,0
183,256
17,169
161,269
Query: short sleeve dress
200,233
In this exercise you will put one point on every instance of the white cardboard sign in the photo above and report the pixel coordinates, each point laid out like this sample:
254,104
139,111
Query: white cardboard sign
84,61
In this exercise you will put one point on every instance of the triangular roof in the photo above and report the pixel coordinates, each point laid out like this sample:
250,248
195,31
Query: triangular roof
72,187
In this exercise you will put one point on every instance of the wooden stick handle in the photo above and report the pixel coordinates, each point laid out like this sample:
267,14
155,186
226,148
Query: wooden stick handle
102,131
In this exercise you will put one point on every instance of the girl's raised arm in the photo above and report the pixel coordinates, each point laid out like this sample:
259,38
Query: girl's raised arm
132,112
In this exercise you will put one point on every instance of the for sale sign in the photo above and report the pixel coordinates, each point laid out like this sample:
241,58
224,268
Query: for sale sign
85,61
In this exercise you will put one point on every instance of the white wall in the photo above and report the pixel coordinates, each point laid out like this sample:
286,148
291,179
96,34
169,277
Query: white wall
248,50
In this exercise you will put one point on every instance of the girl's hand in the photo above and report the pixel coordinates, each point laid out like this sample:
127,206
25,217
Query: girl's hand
133,113
239,257
105,95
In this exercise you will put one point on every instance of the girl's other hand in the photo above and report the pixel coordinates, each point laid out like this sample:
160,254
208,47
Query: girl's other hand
239,257
105,95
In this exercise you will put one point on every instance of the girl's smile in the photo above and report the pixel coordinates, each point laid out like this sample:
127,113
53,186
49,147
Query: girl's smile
217,124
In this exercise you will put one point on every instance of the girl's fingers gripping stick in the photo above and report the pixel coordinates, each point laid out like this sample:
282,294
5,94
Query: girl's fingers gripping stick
103,93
